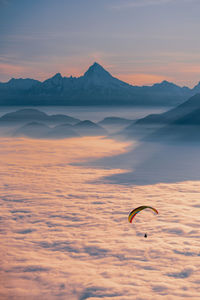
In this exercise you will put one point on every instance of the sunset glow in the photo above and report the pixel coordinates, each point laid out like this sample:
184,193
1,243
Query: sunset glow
99,150
132,39
142,79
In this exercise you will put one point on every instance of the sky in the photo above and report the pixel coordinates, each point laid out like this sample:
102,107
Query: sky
138,41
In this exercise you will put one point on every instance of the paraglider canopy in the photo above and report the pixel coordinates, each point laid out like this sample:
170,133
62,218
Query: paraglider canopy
135,211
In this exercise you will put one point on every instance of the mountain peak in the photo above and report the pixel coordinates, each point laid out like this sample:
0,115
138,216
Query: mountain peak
96,65
169,83
57,76
166,83
96,70
20,83
54,80
196,88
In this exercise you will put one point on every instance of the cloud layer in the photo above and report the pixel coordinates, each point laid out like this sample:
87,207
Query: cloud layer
65,237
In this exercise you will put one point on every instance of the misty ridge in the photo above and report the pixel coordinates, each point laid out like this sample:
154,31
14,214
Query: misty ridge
96,87
179,124
164,149
34,123
176,125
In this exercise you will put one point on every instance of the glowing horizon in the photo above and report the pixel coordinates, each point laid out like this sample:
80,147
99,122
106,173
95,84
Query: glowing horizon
135,79
133,40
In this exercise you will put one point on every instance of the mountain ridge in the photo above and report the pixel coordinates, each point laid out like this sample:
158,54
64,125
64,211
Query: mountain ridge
181,123
95,87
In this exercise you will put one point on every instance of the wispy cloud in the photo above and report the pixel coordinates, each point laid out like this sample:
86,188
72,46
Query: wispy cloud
144,3
6,68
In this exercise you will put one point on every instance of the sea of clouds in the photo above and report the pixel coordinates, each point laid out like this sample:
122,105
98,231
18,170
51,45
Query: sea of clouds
64,227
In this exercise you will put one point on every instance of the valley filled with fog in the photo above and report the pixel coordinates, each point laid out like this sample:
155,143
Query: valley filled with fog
99,150
70,177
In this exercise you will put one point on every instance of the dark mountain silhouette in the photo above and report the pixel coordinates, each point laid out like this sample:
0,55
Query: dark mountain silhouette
176,133
166,86
37,124
179,124
89,128
190,105
115,121
23,116
33,130
62,131
114,124
96,87
41,130
96,75
60,119
196,89
20,83
192,119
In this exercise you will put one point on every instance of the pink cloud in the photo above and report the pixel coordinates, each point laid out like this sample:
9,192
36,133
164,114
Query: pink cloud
65,237
8,69
141,78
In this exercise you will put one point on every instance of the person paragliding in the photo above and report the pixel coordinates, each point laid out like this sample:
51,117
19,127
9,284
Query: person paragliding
135,211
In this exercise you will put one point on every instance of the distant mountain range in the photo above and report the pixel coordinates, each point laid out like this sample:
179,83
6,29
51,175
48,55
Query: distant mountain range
96,87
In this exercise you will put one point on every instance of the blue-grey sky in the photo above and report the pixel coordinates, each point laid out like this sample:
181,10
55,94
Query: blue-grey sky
138,41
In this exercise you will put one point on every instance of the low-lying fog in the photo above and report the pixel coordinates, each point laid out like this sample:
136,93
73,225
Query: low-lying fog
64,217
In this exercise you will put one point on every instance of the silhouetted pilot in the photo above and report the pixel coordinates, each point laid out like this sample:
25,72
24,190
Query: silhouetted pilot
145,235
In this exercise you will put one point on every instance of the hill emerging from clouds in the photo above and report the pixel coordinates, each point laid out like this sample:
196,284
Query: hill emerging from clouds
178,124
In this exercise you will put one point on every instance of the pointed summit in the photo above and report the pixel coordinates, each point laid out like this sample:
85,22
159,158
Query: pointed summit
97,76
196,88
96,70
164,83
55,80
57,76
167,87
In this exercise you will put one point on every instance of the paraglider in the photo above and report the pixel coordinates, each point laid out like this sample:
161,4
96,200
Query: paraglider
135,211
